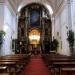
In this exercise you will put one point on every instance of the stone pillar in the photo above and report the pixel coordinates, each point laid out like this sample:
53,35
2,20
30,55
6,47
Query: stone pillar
1,14
1,18
53,26
69,14
7,23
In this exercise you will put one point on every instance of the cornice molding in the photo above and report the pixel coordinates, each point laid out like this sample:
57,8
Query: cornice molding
12,5
59,8
2,2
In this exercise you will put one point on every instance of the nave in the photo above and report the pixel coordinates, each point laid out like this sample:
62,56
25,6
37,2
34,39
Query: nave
45,64
41,64
32,27
36,66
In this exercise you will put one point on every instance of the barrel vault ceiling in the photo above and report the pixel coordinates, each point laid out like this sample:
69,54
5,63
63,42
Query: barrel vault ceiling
55,4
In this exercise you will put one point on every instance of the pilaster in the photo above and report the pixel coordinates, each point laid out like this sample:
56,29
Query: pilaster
1,14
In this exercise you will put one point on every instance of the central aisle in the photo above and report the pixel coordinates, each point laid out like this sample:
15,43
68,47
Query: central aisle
36,66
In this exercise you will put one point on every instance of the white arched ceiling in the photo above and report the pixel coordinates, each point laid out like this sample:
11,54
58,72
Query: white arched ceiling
43,2
51,5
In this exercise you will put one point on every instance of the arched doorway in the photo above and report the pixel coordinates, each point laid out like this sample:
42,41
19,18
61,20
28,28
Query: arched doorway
34,23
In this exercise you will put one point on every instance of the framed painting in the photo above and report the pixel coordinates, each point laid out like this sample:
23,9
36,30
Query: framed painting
35,18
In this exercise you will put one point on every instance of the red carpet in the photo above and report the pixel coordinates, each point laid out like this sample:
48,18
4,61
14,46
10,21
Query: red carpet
36,66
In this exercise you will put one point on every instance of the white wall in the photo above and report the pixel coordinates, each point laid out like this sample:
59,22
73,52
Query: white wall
61,26
73,18
9,26
1,15
73,14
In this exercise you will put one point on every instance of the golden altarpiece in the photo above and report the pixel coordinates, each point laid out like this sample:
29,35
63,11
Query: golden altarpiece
34,29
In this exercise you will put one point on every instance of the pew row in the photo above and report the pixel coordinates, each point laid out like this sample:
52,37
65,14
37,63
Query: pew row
58,63
12,64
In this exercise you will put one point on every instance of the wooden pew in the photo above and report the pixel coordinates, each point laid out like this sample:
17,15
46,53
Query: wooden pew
60,65
13,61
58,62
7,65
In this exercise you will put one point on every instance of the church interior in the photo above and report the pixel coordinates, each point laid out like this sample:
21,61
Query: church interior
37,37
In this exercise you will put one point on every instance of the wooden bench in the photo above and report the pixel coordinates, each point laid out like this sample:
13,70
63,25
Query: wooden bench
7,65
13,61
58,62
62,65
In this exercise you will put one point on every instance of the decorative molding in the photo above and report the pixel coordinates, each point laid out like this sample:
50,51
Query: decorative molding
59,8
2,1
12,5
